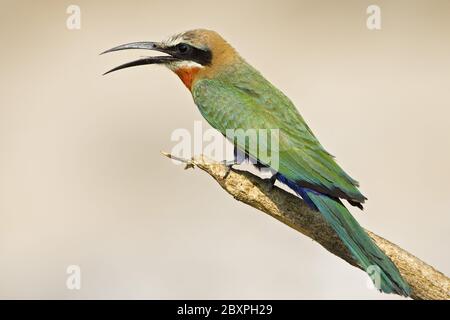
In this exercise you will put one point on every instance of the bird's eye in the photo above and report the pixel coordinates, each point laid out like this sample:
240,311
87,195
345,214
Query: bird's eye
182,48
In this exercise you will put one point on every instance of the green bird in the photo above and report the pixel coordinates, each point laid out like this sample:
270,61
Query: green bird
232,95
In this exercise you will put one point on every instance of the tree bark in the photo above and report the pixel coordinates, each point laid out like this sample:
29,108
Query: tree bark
425,281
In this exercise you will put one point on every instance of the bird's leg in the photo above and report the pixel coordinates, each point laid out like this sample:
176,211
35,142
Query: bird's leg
239,158
229,166
272,180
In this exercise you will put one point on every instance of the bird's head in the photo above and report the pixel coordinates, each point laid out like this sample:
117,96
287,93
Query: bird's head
191,55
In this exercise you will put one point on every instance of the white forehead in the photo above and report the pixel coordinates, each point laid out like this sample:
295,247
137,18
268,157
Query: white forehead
174,40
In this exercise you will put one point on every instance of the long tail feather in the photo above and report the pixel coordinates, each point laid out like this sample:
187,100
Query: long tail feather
383,272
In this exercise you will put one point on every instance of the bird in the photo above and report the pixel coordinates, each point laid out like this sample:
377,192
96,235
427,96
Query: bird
231,94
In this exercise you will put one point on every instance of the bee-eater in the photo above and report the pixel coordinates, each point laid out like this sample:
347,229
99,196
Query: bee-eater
231,94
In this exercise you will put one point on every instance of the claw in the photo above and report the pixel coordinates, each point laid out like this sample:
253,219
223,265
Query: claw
272,181
189,165
229,165
227,173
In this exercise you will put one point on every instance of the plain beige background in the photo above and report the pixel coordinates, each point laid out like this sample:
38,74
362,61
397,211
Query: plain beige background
82,181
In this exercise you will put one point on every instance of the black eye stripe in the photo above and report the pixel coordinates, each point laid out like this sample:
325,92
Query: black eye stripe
183,48
187,52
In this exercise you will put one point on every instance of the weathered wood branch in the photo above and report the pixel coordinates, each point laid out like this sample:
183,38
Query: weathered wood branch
425,281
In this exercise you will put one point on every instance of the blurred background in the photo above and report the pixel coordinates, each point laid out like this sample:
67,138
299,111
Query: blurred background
82,180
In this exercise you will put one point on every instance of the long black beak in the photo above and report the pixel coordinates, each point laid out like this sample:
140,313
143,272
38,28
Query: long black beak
143,61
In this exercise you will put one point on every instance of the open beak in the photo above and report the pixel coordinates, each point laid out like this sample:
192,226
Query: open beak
143,61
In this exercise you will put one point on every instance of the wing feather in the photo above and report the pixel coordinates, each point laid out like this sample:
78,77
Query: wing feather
253,103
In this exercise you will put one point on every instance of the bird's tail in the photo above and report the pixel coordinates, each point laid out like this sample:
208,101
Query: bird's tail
383,272
368,256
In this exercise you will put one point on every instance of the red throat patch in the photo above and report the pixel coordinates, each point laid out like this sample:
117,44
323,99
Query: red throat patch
187,75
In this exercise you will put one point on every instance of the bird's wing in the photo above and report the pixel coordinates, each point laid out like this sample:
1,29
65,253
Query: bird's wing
256,104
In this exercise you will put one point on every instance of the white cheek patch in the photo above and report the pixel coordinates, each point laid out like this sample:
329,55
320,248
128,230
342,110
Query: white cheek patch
185,64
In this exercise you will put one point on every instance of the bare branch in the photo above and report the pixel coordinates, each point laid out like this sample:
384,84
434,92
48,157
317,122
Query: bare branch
425,281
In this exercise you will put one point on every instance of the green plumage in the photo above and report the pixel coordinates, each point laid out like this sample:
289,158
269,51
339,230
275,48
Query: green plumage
366,253
244,99
241,98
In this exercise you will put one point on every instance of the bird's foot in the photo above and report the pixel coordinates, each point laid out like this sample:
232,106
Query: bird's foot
271,181
229,165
